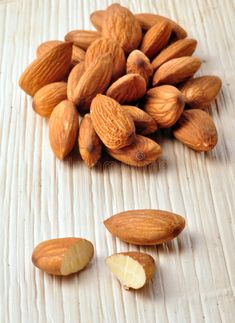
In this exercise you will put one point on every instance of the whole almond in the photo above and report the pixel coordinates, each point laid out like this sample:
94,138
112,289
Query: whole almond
196,130
176,70
90,145
103,46
144,123
143,151
74,78
128,88
45,99
121,25
95,79
47,46
133,269
82,38
97,18
63,256
63,128
201,91
138,63
145,227
78,55
51,67
180,48
156,38
164,104
113,125
148,20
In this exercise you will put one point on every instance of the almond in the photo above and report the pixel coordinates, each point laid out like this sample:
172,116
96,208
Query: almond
128,88
201,91
90,145
148,20
95,80
164,104
74,78
180,48
156,38
176,70
63,256
121,25
63,127
144,123
112,124
143,151
196,130
103,46
82,38
145,227
138,63
97,18
78,55
51,67
47,46
133,269
48,97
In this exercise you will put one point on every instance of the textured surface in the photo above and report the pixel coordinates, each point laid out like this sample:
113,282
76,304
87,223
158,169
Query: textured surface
43,198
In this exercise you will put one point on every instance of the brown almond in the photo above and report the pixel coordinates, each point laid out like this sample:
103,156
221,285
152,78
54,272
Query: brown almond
82,38
145,227
97,18
148,20
164,104
47,46
128,88
90,145
95,79
196,129
180,48
144,123
201,91
78,55
142,152
45,99
51,67
63,128
156,38
74,78
121,25
176,70
138,63
103,46
112,124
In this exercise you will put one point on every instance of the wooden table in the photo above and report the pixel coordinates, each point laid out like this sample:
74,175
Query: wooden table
42,198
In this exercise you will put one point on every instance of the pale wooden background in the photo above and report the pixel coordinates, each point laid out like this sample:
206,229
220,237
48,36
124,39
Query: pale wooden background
42,198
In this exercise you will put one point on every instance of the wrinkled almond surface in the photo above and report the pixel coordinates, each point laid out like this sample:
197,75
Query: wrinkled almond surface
138,63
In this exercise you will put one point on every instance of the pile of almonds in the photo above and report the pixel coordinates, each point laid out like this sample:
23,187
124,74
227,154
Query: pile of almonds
142,60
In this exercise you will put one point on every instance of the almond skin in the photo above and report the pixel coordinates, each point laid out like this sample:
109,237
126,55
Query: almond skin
95,79
142,152
148,20
144,123
78,55
196,130
138,63
180,48
201,91
51,67
164,104
156,38
63,128
97,18
121,25
73,79
63,256
103,46
82,38
128,88
133,269
176,70
48,97
90,145
145,227
112,124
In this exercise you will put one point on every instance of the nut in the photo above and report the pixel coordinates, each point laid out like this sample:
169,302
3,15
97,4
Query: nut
82,38
138,63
